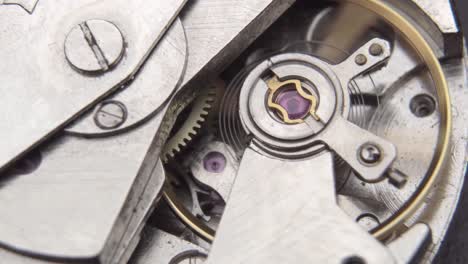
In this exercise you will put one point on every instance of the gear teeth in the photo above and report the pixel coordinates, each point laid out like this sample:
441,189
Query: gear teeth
202,105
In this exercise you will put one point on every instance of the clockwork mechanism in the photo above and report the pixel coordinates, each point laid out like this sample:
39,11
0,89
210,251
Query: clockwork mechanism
230,131
366,94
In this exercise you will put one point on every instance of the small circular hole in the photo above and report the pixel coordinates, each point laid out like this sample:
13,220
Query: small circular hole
423,105
354,260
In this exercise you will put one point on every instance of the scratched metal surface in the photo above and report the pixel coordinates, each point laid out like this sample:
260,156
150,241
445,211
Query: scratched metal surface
455,248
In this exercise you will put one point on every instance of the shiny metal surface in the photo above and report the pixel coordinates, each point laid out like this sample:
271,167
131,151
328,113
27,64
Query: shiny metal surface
385,99
112,231
160,247
407,246
442,14
220,180
83,193
385,87
94,46
270,224
212,34
294,140
146,201
159,77
48,92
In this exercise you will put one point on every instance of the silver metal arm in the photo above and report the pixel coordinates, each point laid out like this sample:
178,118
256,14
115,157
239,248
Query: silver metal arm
285,212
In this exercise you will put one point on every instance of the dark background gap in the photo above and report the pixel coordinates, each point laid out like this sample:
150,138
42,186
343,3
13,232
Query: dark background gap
455,247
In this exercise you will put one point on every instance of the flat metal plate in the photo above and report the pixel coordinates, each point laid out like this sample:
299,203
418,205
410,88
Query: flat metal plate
159,77
81,196
40,92
286,212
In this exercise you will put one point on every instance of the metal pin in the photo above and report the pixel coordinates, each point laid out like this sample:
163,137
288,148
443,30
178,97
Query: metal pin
361,59
397,178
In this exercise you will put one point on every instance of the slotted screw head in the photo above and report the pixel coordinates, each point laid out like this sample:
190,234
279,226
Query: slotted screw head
94,47
370,154
110,115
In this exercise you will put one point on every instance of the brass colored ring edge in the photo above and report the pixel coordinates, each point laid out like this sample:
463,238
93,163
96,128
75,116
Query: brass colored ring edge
427,55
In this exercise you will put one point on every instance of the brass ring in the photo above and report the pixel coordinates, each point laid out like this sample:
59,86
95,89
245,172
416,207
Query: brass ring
429,58
427,55
186,216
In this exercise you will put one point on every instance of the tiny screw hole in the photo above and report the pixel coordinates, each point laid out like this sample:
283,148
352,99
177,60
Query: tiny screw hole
422,105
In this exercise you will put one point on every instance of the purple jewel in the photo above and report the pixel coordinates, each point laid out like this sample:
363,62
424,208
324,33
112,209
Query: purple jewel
214,162
295,105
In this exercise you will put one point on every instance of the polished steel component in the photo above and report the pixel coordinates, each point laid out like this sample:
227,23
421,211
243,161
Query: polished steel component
444,42
269,224
94,46
83,198
260,197
114,211
211,45
289,156
435,69
110,114
442,98
159,77
300,139
407,247
146,201
397,178
48,92
389,121
211,49
370,154
439,19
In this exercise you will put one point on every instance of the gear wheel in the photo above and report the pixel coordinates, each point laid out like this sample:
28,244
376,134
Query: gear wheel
199,109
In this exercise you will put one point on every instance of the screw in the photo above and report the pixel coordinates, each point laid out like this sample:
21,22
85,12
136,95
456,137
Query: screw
94,47
361,59
110,115
376,49
368,221
370,154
